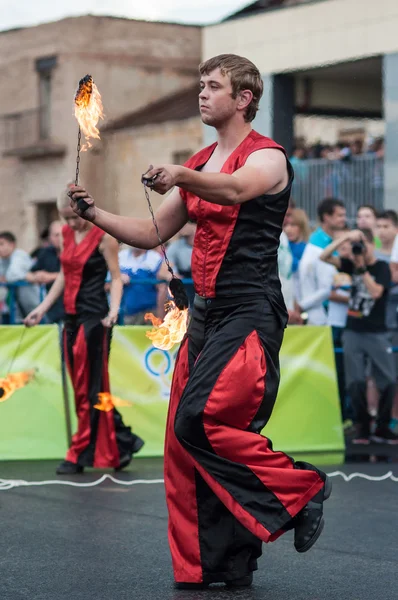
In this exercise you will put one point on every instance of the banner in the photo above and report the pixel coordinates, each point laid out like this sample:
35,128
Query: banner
306,418
32,418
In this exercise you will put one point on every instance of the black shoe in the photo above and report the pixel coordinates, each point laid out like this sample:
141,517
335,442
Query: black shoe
242,582
310,521
137,444
384,435
191,586
68,468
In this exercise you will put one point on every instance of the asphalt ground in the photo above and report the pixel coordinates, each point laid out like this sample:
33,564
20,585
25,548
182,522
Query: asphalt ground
109,542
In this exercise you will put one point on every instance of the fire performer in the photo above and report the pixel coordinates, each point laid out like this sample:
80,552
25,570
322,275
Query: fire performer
102,440
227,490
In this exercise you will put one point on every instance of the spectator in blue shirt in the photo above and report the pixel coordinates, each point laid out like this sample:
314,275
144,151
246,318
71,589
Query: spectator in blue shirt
140,296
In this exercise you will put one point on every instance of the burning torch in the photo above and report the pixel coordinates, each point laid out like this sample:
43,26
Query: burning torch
88,111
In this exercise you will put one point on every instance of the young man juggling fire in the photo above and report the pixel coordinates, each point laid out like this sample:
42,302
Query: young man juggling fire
227,490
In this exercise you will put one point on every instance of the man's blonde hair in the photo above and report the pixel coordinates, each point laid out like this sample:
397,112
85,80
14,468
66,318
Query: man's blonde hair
243,74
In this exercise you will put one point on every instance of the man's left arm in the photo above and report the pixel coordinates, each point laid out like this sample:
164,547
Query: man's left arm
264,171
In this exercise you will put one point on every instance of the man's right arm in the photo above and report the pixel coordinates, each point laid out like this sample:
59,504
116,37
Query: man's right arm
394,261
141,233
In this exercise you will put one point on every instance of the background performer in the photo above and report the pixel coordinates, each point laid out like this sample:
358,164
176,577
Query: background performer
102,440
227,490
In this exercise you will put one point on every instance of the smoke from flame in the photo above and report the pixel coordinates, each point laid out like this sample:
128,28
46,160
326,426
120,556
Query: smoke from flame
88,109
171,330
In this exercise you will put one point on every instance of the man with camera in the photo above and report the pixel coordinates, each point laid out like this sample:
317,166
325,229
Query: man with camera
366,338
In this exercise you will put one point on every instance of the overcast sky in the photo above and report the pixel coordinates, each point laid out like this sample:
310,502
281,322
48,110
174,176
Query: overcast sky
17,13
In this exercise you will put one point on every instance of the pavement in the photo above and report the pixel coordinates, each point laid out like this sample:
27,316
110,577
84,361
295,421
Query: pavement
109,542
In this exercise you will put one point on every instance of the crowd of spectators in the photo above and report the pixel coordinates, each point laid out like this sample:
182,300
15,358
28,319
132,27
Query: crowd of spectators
346,278
27,277
340,151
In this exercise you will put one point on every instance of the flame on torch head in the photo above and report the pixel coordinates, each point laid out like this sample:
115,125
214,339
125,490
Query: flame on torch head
88,109
13,382
171,330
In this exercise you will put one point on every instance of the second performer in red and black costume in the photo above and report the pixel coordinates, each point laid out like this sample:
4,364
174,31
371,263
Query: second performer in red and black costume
102,440
227,490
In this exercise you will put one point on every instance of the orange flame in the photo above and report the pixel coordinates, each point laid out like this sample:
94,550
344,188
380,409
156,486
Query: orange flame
13,382
88,109
169,332
107,402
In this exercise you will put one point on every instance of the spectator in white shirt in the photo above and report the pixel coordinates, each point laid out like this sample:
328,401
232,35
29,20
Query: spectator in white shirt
315,276
14,266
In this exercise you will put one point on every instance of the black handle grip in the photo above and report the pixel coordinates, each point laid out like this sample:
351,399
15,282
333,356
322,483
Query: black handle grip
82,205
148,181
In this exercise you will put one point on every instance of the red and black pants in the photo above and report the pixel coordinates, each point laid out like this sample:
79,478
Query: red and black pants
227,490
102,440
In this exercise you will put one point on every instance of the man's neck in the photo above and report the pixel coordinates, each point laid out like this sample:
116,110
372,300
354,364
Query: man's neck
231,135
327,230
387,248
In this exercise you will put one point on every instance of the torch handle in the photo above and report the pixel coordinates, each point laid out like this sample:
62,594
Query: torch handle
82,205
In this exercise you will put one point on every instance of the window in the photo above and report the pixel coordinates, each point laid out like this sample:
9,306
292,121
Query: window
46,213
44,68
180,157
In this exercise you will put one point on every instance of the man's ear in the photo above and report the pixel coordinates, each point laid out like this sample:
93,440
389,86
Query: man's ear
244,99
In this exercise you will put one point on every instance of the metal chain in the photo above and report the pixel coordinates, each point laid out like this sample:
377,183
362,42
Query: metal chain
79,137
16,351
162,246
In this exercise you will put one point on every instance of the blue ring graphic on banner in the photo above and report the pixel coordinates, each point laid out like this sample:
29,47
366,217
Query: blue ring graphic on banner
150,369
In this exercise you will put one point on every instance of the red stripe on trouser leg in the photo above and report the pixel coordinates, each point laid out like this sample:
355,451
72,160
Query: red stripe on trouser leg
242,381
179,471
66,353
106,450
230,408
80,381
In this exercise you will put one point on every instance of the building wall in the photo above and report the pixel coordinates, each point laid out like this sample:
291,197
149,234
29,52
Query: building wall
127,154
132,62
310,35
333,94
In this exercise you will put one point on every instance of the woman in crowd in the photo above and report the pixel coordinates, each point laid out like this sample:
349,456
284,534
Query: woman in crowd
297,230
101,440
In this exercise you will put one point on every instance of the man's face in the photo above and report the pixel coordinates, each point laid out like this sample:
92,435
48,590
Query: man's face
366,219
370,251
344,250
336,220
216,103
55,234
386,230
6,248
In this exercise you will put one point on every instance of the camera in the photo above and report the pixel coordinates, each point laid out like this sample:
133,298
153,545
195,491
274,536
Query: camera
358,248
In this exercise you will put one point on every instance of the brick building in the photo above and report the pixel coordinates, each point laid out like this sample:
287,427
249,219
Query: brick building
167,131
134,63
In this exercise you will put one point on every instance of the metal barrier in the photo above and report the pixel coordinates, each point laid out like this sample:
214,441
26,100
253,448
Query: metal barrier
12,298
356,181
13,287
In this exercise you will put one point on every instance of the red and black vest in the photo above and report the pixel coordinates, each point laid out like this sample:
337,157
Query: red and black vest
85,271
236,247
